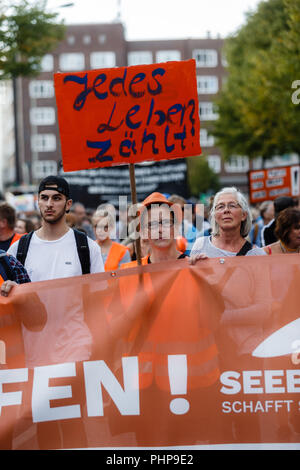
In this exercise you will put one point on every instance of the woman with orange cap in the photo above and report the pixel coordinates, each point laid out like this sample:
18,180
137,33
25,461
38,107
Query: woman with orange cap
159,222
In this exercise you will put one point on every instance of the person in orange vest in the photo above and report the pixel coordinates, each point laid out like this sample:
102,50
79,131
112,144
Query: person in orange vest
159,220
8,236
114,254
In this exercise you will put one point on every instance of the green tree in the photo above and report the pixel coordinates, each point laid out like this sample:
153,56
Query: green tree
256,114
201,178
27,33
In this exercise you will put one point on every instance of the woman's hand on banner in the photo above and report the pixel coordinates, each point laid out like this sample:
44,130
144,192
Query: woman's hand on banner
194,258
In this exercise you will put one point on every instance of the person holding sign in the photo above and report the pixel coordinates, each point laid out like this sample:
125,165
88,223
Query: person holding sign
159,221
231,223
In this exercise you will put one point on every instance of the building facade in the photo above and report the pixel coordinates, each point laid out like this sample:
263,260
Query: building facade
95,46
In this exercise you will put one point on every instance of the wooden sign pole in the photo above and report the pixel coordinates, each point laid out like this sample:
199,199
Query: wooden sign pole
134,201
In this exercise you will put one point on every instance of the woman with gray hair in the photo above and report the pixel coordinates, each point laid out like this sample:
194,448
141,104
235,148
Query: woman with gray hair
231,222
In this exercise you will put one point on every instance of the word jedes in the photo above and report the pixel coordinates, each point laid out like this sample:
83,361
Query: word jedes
117,86
140,114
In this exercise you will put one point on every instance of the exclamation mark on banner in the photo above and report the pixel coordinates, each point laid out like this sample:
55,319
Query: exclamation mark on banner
177,368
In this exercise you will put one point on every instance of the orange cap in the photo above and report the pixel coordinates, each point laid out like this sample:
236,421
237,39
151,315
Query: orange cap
159,198
155,198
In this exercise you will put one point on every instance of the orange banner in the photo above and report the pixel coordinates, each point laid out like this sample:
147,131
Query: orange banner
128,114
165,355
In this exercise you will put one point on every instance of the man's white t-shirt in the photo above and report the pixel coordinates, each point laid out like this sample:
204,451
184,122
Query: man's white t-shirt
54,259
65,337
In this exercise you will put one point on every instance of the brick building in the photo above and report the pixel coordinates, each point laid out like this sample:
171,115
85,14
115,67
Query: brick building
92,46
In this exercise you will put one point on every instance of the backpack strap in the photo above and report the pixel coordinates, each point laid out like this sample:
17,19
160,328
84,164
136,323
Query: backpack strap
23,246
245,248
6,270
83,251
81,244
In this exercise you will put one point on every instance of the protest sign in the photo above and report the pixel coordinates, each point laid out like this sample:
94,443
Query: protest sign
164,355
268,184
97,185
128,115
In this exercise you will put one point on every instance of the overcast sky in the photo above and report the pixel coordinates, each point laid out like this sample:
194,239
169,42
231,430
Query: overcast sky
161,19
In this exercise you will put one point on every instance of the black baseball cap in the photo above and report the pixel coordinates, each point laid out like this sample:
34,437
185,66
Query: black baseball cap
55,183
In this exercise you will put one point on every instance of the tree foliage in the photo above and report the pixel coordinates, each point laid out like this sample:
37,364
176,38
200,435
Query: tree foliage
201,178
256,114
27,33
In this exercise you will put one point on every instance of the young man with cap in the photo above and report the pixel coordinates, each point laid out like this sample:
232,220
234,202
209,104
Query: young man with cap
52,251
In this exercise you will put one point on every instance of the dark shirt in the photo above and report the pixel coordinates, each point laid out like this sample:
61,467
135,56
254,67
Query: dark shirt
267,234
5,244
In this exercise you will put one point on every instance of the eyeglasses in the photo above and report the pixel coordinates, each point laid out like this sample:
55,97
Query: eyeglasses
167,223
231,205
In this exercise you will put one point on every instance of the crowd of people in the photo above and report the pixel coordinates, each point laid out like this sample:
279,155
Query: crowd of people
166,231
63,239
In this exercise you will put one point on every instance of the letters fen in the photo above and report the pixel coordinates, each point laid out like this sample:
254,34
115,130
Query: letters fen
194,356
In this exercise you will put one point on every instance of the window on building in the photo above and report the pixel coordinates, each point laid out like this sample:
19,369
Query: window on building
207,111
102,38
71,61
71,39
166,56
207,84
86,39
224,60
139,57
41,89
214,162
205,57
237,164
102,59
43,143
42,116
41,169
206,140
47,63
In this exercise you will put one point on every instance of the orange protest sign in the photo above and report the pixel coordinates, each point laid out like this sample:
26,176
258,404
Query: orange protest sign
162,355
128,114
268,184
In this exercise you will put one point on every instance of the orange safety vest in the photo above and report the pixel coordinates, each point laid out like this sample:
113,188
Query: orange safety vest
181,244
177,325
16,237
133,264
116,253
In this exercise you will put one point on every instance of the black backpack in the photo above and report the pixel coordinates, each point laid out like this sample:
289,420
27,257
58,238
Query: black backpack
6,271
81,243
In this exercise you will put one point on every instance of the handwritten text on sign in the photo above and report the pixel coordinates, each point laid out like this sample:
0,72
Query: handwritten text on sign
128,115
